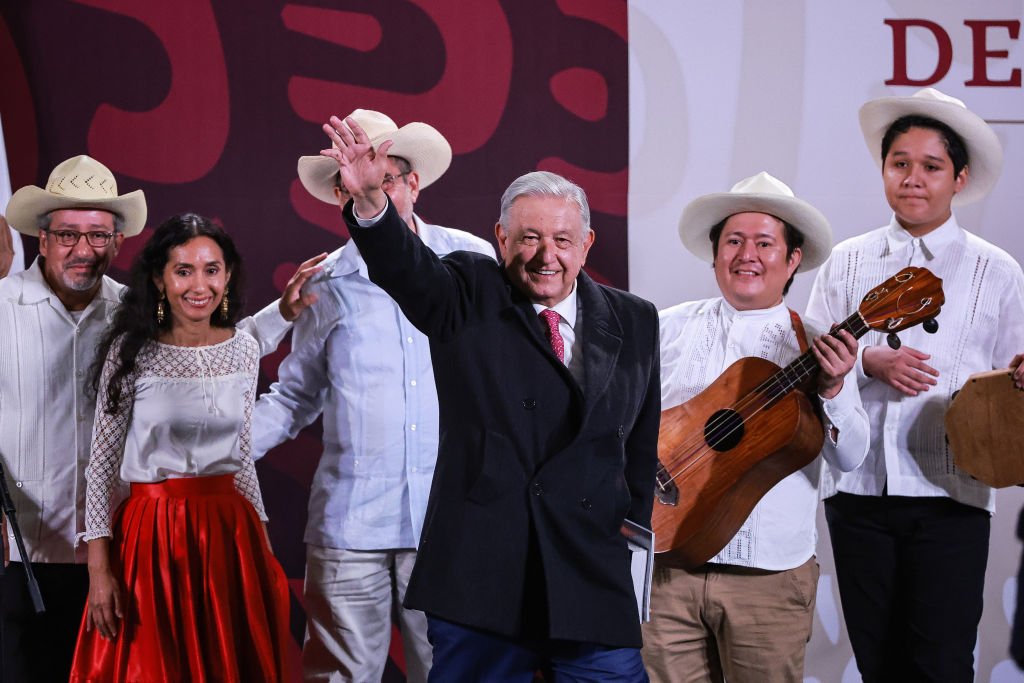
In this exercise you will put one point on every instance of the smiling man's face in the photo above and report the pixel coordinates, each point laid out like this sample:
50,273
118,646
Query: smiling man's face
74,272
751,265
543,247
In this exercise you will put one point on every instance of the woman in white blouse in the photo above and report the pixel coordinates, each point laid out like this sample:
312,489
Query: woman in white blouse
183,585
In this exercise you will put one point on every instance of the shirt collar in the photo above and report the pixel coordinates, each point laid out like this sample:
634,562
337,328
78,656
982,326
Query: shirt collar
931,244
729,313
349,260
565,308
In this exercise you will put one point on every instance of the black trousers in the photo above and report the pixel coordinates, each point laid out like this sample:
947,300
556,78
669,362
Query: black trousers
911,575
1017,633
39,648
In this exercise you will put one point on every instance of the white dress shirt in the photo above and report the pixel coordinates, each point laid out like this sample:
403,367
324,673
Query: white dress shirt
358,360
981,327
699,341
46,413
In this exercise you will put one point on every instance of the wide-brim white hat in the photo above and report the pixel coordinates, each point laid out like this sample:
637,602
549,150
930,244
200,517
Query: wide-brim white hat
78,183
761,193
984,153
420,144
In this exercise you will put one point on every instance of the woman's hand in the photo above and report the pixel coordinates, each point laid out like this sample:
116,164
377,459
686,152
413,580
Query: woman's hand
104,609
293,300
266,536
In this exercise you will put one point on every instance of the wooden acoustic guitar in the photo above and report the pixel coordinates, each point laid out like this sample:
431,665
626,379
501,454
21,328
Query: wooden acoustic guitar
722,450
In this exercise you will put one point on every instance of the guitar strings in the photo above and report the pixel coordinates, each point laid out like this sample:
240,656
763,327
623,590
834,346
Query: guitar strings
759,399
759,393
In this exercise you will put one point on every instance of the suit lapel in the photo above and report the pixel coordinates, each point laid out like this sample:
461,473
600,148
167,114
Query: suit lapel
601,341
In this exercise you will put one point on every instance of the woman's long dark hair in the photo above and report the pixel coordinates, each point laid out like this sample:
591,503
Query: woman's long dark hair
135,317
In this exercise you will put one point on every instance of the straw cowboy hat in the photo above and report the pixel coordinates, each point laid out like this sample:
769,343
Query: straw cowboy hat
761,193
984,153
420,144
79,183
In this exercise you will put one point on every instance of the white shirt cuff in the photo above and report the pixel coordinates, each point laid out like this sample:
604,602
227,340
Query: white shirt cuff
370,222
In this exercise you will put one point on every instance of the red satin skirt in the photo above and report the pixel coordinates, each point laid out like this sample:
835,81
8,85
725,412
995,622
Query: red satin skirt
205,600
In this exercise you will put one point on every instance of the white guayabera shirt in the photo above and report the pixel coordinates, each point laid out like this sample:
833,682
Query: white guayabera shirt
981,328
699,341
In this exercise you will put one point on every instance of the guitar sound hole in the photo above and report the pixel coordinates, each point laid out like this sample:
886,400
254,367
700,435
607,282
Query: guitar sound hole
724,430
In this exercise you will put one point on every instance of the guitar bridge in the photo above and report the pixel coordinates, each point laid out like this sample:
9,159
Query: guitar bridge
665,489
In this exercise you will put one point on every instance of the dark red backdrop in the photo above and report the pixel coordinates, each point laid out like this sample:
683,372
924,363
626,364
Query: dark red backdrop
206,105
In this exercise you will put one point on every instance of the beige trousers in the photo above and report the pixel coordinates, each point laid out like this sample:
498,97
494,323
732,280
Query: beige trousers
720,622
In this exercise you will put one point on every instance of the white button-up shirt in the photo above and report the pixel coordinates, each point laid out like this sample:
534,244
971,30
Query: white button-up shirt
699,341
981,328
46,413
360,362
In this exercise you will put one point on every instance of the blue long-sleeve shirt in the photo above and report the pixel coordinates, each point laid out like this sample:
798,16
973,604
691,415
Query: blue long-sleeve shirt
356,359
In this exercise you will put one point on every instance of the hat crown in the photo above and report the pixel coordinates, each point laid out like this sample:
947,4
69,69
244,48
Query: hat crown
938,96
374,123
82,177
762,183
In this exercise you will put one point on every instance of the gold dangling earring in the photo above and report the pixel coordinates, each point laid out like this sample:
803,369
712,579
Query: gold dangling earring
160,309
224,305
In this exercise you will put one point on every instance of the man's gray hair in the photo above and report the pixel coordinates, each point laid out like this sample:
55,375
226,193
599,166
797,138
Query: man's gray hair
45,219
545,184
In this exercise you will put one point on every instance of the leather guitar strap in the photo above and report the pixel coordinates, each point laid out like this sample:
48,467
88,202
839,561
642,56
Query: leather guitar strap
802,340
798,327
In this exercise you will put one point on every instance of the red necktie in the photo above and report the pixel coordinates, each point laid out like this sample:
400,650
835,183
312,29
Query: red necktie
554,336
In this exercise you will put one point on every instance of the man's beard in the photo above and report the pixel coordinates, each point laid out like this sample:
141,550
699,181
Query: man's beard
82,282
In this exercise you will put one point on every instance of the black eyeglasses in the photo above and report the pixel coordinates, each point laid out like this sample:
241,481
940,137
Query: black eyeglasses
69,238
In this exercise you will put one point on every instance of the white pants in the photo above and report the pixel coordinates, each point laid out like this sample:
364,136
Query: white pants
349,596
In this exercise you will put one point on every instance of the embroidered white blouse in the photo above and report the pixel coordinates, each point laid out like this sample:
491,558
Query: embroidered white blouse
184,412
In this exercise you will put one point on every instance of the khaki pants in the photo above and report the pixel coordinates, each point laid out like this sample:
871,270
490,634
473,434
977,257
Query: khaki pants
720,622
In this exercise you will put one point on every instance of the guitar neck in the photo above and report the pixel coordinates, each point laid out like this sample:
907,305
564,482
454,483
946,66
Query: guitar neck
797,372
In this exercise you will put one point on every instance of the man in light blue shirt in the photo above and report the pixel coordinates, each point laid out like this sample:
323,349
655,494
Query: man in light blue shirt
368,370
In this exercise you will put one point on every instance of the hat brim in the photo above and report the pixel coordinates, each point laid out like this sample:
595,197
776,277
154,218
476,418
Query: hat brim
28,203
984,152
705,212
420,144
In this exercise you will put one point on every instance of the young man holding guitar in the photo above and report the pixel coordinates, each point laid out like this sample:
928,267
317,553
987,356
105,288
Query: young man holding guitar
747,614
910,531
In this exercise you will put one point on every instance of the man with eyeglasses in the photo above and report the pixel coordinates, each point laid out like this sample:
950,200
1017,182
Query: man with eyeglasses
51,318
361,363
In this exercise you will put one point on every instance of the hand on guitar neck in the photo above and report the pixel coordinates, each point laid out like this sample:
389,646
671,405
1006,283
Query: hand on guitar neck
836,356
904,369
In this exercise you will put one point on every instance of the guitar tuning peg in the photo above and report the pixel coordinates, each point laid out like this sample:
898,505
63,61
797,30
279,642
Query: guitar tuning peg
931,325
893,341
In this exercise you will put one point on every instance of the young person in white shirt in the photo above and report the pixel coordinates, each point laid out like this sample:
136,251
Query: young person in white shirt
746,615
909,530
